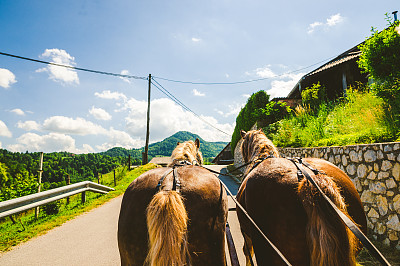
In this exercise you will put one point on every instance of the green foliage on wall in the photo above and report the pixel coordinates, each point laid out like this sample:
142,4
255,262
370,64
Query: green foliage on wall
249,115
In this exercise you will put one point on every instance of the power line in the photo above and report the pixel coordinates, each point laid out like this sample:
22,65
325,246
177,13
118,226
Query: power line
245,81
72,67
176,100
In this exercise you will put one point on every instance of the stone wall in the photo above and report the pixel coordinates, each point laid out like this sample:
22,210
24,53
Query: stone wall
375,171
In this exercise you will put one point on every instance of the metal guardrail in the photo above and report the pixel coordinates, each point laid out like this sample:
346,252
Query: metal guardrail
24,203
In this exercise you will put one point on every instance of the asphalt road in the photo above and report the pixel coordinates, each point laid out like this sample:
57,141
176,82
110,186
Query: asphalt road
91,238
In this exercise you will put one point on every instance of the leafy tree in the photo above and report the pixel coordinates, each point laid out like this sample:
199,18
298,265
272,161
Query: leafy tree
249,115
380,58
380,55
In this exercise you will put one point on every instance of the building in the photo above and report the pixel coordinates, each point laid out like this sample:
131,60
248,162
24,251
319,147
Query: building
225,156
336,75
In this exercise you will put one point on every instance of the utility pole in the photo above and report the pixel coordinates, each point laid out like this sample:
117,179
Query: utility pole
40,181
146,148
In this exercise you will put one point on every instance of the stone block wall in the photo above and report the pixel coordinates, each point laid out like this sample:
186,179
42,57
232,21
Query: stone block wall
375,171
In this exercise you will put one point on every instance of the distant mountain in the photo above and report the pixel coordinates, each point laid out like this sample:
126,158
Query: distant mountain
166,146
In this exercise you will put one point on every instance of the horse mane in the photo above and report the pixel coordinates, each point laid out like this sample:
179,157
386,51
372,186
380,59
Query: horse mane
256,145
326,248
187,151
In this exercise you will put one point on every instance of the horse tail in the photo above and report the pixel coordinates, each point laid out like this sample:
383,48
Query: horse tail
330,241
167,222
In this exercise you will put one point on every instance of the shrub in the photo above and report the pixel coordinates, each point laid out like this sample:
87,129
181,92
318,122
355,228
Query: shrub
312,97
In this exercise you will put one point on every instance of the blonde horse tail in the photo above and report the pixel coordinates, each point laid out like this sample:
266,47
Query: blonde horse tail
167,222
330,241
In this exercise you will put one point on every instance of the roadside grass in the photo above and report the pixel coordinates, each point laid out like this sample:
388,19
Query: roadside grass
391,254
360,118
14,234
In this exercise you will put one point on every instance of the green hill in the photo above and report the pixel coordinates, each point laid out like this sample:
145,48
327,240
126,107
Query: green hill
166,146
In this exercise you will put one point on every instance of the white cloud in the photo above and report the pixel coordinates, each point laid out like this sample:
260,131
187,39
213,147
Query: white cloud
313,26
265,72
7,78
334,20
67,125
330,22
110,95
18,111
197,93
281,88
4,131
60,74
125,72
195,39
48,143
119,138
246,95
28,125
233,110
168,118
100,114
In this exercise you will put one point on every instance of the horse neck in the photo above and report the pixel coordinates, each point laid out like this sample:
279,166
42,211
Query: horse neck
261,149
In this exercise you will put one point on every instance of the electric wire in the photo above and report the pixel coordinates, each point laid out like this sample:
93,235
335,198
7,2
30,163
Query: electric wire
72,67
176,100
245,81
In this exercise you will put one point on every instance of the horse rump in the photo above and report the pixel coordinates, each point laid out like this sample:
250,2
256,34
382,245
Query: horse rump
167,222
330,241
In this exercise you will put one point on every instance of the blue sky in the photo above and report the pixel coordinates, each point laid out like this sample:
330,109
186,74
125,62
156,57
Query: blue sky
48,108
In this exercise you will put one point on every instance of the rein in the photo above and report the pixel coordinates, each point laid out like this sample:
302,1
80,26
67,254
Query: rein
347,221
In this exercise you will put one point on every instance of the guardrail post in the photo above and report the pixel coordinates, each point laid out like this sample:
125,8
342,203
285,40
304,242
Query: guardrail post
98,178
83,197
68,183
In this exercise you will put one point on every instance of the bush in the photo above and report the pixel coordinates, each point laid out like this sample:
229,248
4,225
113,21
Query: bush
358,119
52,208
312,97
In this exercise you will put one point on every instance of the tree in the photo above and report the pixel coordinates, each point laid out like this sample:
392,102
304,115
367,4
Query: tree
380,57
249,115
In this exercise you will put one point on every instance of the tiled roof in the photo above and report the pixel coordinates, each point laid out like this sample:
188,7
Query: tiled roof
337,61
161,160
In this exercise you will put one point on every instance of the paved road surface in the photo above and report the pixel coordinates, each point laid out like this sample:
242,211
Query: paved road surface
91,238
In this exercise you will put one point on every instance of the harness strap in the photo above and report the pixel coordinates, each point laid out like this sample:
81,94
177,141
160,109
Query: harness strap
255,225
177,183
347,221
158,187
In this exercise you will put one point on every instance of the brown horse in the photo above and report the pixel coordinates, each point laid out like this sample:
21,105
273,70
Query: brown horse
169,227
291,213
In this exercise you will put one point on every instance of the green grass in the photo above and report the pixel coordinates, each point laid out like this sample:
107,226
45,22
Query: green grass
360,118
391,254
14,234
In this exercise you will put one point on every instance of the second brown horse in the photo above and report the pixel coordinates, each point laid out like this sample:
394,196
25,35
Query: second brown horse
292,214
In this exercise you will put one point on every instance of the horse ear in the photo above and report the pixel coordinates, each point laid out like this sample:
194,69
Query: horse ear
242,133
197,142
178,143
